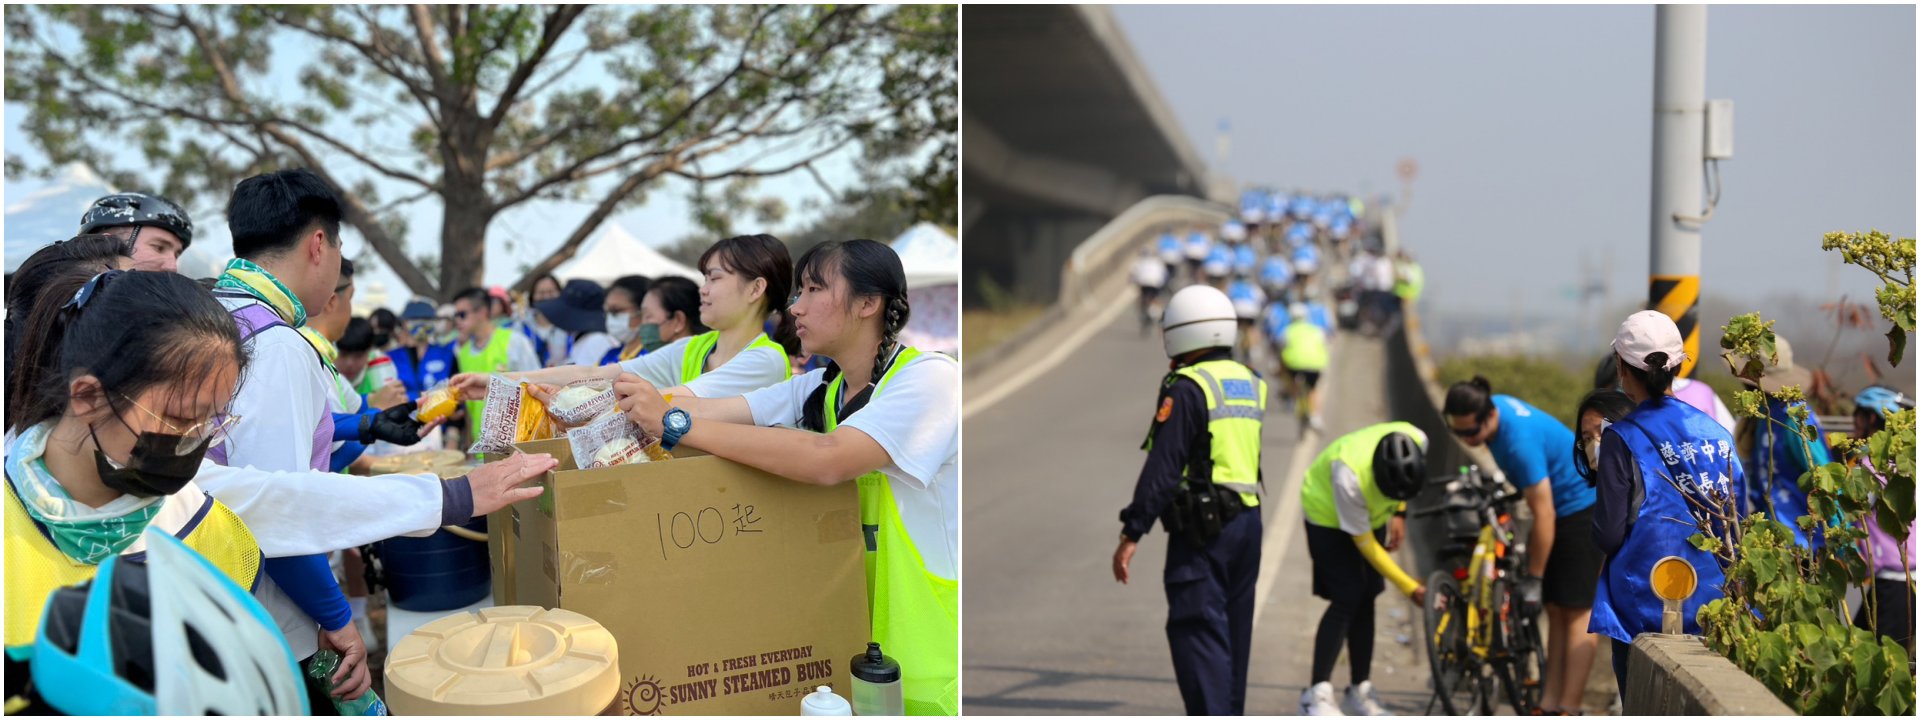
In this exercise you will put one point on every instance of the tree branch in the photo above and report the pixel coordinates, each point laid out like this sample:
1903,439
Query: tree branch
430,56
556,26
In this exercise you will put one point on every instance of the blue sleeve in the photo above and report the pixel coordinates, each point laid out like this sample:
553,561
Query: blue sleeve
345,456
1614,505
346,426
1525,463
308,580
1166,459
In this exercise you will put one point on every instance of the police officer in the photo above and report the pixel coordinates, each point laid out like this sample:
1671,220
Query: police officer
1200,482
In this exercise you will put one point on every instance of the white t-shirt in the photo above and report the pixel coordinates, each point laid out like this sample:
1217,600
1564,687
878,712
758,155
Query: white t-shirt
590,349
286,390
1349,501
916,419
752,369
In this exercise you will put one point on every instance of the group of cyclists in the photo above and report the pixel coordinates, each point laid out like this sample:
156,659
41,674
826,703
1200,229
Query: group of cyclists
1269,260
1601,493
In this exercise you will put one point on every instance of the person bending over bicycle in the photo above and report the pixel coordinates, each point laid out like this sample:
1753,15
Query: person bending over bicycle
1354,498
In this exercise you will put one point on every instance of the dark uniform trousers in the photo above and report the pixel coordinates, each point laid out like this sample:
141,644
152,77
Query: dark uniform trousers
1210,604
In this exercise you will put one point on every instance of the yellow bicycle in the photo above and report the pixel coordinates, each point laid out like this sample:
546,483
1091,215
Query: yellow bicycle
1477,632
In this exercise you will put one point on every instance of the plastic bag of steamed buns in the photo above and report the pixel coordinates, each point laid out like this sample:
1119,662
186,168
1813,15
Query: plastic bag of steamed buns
582,401
610,440
437,403
513,415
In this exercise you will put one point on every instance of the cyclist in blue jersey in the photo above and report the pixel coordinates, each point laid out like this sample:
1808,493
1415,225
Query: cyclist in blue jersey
1276,275
1171,252
1562,566
1247,300
1218,266
1198,246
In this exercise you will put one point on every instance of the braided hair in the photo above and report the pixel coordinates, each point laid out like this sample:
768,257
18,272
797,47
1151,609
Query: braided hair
870,269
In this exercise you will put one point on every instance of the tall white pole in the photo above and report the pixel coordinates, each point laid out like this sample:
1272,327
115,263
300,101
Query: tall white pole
1679,133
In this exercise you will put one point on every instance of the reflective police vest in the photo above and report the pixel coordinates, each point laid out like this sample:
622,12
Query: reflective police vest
1777,467
492,360
1356,450
1408,281
1680,452
1236,402
1304,347
693,363
915,613
36,567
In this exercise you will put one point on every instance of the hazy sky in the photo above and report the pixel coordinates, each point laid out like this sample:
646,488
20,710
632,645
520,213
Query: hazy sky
1532,127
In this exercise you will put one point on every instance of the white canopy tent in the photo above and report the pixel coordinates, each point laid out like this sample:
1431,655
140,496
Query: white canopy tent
931,259
615,253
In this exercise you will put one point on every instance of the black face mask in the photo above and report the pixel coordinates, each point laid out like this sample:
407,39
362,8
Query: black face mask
152,470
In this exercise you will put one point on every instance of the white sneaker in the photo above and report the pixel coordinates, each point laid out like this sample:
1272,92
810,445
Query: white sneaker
1361,700
1318,700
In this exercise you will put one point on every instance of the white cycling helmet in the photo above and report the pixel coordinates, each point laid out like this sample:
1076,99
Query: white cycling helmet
1198,317
172,636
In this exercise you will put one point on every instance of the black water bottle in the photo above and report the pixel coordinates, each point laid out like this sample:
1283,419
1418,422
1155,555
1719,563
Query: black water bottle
876,684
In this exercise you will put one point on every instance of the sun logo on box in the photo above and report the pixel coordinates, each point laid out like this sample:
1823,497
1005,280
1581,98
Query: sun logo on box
643,696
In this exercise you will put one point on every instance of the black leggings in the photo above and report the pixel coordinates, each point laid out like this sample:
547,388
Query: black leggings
1354,624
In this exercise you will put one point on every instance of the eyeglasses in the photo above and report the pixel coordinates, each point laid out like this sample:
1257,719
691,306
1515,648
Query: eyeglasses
459,314
213,429
1466,432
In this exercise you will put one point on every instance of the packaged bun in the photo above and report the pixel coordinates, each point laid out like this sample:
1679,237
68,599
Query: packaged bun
583,401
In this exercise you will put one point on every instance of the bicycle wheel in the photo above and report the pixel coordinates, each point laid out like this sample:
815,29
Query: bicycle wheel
1522,658
1455,670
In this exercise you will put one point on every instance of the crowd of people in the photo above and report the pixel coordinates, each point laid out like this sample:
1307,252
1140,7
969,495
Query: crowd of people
1648,447
240,415
1269,260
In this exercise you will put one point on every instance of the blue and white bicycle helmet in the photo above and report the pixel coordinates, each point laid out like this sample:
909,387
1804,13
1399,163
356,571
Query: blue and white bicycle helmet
1882,400
171,636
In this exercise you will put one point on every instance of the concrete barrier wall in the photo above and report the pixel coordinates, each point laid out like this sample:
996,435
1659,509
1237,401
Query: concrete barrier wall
1680,675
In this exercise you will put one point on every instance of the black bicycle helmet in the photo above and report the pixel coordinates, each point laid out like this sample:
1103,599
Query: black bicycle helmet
1399,466
123,209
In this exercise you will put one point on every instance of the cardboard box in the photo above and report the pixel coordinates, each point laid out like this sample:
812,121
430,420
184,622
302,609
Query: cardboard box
729,590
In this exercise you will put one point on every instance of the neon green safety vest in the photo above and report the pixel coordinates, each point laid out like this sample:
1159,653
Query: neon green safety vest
916,614
1411,278
694,363
1356,450
1306,347
1236,401
491,360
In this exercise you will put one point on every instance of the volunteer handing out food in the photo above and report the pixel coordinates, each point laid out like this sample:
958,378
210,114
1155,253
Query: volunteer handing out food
882,414
747,277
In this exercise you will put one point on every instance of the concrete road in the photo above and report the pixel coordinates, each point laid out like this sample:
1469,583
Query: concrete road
1046,628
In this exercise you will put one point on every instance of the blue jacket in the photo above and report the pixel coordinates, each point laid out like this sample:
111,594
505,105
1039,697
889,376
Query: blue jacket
437,363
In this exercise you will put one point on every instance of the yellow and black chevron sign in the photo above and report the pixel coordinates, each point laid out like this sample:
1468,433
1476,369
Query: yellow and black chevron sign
1678,297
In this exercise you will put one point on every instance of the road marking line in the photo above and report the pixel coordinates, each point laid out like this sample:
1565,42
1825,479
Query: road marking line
1287,519
977,401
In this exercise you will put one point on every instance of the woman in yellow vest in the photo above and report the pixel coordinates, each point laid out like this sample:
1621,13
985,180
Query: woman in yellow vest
747,278
1355,497
113,434
884,415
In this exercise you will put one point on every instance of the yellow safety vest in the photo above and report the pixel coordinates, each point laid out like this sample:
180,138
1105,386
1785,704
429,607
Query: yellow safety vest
1305,348
1236,402
693,363
35,567
915,613
1356,450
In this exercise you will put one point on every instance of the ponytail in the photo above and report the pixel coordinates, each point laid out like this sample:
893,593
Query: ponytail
1657,378
1470,398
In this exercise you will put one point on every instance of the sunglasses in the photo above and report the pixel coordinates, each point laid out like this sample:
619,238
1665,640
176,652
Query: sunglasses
213,430
1467,432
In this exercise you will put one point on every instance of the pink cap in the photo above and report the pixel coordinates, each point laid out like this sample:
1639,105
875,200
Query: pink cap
1647,332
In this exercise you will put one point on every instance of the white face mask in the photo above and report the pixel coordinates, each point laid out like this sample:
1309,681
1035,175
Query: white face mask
1593,448
619,326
